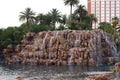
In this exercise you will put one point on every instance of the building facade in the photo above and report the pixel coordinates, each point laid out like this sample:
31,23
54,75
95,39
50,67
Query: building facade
104,10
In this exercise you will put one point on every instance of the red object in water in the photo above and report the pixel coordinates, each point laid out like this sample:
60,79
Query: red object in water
19,78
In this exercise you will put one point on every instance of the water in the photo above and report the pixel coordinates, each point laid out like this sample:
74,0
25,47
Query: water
48,72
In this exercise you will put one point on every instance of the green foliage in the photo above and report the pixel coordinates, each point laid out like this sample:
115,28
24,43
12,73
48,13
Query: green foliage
71,2
11,35
80,12
112,68
61,27
115,21
118,46
43,19
92,19
85,26
38,28
107,27
55,17
28,17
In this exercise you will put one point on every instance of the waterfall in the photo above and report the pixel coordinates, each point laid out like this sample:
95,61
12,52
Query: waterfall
72,47
43,44
77,40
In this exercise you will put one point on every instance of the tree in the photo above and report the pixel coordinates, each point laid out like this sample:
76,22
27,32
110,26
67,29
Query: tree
107,27
63,20
1,30
71,3
92,19
115,21
80,12
40,18
28,16
116,33
55,16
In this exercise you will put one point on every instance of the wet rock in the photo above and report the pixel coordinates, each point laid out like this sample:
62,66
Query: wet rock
67,47
117,67
19,78
105,76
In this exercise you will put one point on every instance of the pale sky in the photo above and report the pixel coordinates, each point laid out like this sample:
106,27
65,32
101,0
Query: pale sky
10,9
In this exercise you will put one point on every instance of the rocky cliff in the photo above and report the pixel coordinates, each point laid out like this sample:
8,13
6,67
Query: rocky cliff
67,47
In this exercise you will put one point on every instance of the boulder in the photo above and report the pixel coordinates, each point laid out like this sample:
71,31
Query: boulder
117,67
105,76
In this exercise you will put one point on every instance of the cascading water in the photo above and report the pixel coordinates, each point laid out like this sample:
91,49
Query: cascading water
65,47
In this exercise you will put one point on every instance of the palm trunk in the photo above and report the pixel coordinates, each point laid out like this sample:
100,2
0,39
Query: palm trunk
27,25
54,25
70,13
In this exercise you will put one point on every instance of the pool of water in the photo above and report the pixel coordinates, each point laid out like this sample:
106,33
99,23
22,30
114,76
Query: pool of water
10,72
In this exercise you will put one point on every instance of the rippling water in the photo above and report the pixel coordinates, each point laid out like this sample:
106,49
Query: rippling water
47,72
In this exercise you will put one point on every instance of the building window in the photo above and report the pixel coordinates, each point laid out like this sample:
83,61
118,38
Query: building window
92,2
107,2
117,9
112,9
118,15
112,2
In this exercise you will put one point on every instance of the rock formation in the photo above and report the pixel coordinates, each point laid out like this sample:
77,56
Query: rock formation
67,47
117,67
105,76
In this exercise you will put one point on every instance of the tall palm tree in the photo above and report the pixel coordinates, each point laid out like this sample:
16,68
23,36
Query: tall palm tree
81,12
71,3
28,16
55,16
92,19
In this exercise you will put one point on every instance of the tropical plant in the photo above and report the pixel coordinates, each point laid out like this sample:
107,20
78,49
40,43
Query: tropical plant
71,3
80,12
40,18
55,16
92,19
28,15
107,27
63,20
60,27
74,25
85,26
38,28
115,21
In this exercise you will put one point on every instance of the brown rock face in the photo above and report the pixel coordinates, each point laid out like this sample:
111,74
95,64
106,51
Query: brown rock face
105,76
117,67
62,48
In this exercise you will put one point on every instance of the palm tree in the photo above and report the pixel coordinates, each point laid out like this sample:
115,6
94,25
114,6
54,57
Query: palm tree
107,27
55,16
71,3
28,16
81,12
115,21
92,19
40,18
63,20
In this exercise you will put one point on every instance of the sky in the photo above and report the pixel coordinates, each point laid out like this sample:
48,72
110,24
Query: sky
10,9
